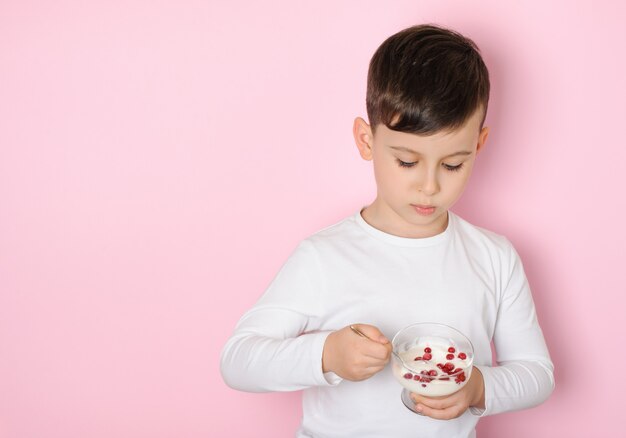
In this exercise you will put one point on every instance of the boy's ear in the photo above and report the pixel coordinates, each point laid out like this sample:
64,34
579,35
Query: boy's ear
363,138
482,139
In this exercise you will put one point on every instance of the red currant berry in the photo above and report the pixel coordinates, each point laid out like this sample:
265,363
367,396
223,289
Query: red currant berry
462,356
451,350
449,356
408,376
428,356
427,350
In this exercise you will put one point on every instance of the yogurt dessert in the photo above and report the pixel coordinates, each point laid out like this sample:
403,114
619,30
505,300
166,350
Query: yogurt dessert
431,359
434,368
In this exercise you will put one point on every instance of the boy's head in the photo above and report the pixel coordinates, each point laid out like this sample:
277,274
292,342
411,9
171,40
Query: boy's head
426,79
427,97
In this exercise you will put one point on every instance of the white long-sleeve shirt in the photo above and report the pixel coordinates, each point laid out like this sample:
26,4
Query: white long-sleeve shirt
351,272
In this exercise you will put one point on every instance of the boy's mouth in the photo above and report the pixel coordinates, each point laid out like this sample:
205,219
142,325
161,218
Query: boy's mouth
424,210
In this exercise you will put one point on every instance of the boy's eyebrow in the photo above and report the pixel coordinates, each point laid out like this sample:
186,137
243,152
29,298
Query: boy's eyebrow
402,148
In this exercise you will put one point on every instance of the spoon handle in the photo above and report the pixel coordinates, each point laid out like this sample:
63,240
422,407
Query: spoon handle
360,333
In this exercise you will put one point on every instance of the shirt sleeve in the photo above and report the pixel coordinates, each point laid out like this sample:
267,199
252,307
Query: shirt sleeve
276,345
524,375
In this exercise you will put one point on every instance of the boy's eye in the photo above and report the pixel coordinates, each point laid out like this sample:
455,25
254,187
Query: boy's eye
405,164
453,168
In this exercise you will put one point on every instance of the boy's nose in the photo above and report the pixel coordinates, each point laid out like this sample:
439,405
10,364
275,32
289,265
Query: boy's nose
429,184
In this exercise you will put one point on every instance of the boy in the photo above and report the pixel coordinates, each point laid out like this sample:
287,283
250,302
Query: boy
405,258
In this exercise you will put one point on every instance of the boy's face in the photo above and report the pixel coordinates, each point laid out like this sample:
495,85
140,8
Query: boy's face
418,178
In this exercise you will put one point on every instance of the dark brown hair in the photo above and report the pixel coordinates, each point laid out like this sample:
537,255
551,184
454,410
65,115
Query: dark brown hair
426,79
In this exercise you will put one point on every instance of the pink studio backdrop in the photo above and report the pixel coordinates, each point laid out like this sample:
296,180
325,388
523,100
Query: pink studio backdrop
160,160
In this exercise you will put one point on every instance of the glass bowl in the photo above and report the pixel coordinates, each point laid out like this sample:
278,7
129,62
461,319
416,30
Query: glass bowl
431,359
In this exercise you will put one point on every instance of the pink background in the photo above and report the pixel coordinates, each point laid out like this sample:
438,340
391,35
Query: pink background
159,160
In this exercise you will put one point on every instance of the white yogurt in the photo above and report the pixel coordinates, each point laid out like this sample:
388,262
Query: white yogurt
425,377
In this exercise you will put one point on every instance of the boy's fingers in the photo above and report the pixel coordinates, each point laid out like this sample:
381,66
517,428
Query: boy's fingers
375,369
434,403
367,371
378,351
440,408
439,414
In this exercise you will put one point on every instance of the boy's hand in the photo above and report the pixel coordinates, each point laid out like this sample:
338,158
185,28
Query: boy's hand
454,405
353,357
